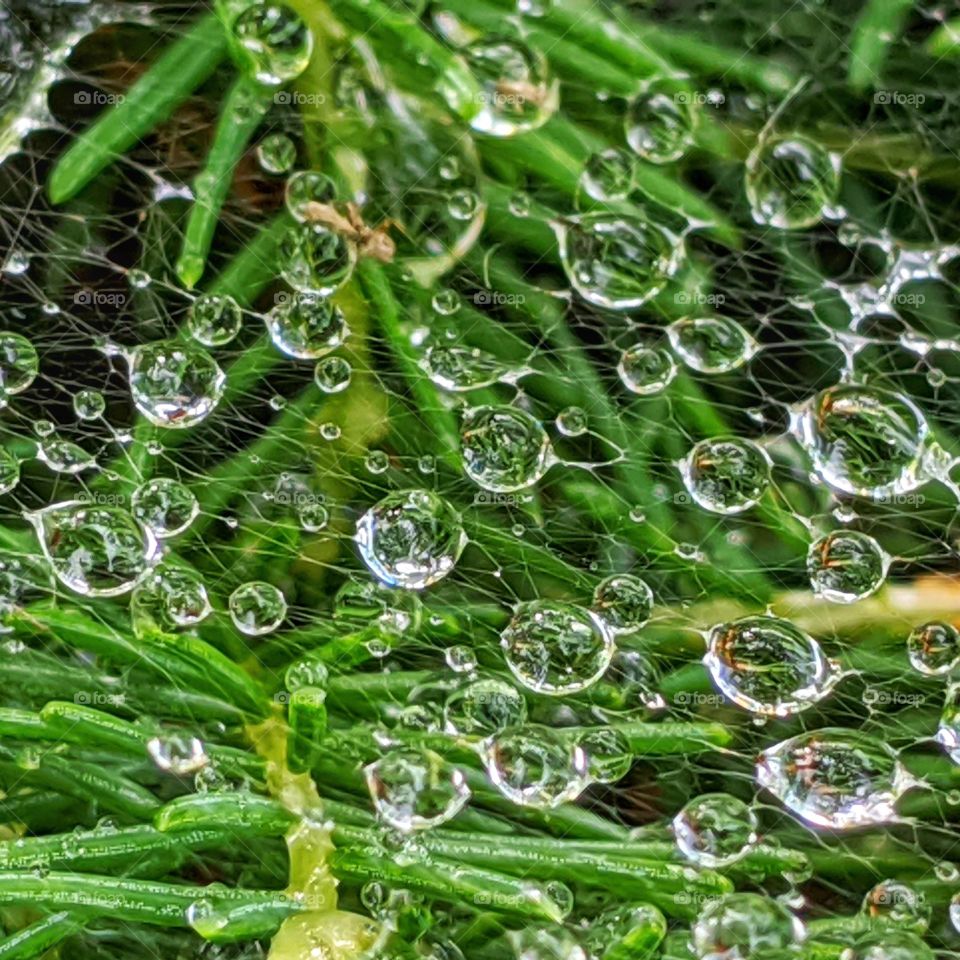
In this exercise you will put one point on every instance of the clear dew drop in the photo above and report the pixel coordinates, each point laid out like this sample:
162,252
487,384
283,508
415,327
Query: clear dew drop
44,428
415,789
276,154
305,188
629,931
646,370
460,658
96,551
271,42
9,471
89,404
377,462
934,648
333,374
518,93
536,766
768,666
746,925
846,566
791,182
898,904
865,441
313,515
556,648
165,506
948,731
395,612
623,602
177,754
505,449
660,122
835,778
459,369
316,260
635,679
257,608
16,264
170,598
64,456
608,175
484,708
307,327
175,385
464,205
715,830
446,302
608,754
19,363
410,539
214,320
711,344
572,421
726,475
615,261
888,945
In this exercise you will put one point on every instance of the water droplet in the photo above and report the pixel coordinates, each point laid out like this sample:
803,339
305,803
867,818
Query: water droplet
888,945
460,658
176,754
459,369
711,344
16,264
623,602
504,448
934,648
165,507
535,766
608,754
415,790
44,428
899,904
377,462
846,566
171,598
19,363
271,42
484,708
395,612
139,279
96,551
646,370
306,187
617,262
715,830
307,327
276,153
835,778
329,431
635,680
726,475
173,384
660,122
410,539
519,203
332,374
746,925
572,421
9,471
257,608
89,404
791,182
865,441
313,515
518,94
948,732
63,456
608,175
446,302
214,320
556,648
634,931
464,204
316,260
768,666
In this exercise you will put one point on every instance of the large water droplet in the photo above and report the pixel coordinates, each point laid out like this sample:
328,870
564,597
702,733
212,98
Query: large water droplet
660,122
948,732
165,506
535,766
171,598
791,182
726,475
316,260
715,830
333,374
623,602
865,441
898,903
846,566
608,754
459,369
934,648
608,175
518,94
276,153
175,384
271,42
711,344
746,926
214,320
556,648
96,551
19,363
768,666
634,931
415,790
835,778
307,327
89,404
888,945
617,262
257,608
410,539
305,188
646,370
504,448
177,754
483,708
64,456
